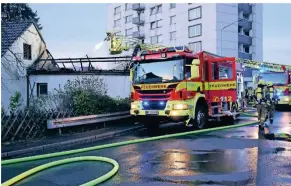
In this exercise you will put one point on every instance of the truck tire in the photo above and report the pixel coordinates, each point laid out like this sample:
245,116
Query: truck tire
201,116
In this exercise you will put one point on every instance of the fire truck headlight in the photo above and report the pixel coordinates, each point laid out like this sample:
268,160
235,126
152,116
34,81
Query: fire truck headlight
180,106
133,106
286,99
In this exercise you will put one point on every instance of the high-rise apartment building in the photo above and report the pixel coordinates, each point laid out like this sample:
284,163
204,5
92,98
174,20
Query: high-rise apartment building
223,29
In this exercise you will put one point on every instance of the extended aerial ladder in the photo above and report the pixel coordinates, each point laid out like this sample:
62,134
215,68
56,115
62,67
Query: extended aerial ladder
119,43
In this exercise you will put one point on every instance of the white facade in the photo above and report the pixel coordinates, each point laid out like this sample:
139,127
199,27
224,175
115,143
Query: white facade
13,65
117,85
122,19
200,26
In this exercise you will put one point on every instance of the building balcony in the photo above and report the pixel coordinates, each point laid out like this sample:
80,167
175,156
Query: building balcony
138,20
244,55
138,6
247,25
138,34
245,7
245,40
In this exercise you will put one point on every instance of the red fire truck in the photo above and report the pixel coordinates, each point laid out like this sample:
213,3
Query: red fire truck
173,84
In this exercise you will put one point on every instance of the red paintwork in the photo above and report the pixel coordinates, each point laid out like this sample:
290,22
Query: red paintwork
205,61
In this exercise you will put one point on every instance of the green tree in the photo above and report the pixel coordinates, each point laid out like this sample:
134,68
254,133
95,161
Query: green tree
15,102
19,12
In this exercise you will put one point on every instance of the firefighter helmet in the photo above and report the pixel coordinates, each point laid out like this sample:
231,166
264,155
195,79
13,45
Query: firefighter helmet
269,84
261,82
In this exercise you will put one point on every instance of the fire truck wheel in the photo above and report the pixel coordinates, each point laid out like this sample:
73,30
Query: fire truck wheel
201,116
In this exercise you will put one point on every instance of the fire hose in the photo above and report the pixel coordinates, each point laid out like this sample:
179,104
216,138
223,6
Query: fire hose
98,158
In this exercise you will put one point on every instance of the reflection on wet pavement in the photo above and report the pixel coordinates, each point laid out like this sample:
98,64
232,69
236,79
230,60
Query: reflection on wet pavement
230,157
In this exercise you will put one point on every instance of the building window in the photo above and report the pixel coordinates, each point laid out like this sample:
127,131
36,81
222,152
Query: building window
247,49
128,19
194,13
118,33
172,35
159,23
153,25
172,5
159,9
26,51
117,10
127,6
117,22
196,46
128,32
195,30
172,20
152,10
154,39
41,89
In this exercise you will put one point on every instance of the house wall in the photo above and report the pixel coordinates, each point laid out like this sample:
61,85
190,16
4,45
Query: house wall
13,75
117,85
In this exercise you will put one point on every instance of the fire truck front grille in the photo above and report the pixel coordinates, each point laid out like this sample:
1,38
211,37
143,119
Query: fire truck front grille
154,105
144,92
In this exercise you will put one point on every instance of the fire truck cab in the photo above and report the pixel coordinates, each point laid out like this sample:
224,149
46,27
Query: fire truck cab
173,84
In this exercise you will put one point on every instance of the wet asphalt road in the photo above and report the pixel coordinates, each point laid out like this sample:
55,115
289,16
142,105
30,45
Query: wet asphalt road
231,157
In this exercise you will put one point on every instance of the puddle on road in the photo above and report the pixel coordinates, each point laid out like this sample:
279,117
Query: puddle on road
224,167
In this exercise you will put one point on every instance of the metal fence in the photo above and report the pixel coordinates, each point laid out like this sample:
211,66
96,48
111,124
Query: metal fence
24,125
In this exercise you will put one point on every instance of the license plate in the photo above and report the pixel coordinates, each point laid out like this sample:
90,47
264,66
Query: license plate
152,112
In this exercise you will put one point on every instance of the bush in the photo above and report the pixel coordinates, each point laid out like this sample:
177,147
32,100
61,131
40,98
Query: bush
87,96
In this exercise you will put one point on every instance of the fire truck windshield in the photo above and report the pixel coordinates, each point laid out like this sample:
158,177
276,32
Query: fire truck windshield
275,78
159,71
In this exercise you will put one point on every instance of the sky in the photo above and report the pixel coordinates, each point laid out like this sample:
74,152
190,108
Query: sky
73,30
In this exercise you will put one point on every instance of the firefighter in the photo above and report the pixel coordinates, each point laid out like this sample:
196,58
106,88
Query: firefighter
260,101
271,100
249,95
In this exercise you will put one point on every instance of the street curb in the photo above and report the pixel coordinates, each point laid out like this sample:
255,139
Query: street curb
69,142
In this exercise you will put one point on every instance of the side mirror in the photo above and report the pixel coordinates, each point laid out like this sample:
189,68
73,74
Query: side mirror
196,62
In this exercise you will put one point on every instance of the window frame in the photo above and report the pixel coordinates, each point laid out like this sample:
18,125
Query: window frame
193,26
38,85
195,43
127,30
153,23
161,8
126,6
171,19
152,10
194,9
25,56
118,32
129,20
172,39
115,13
115,25
158,21
156,39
